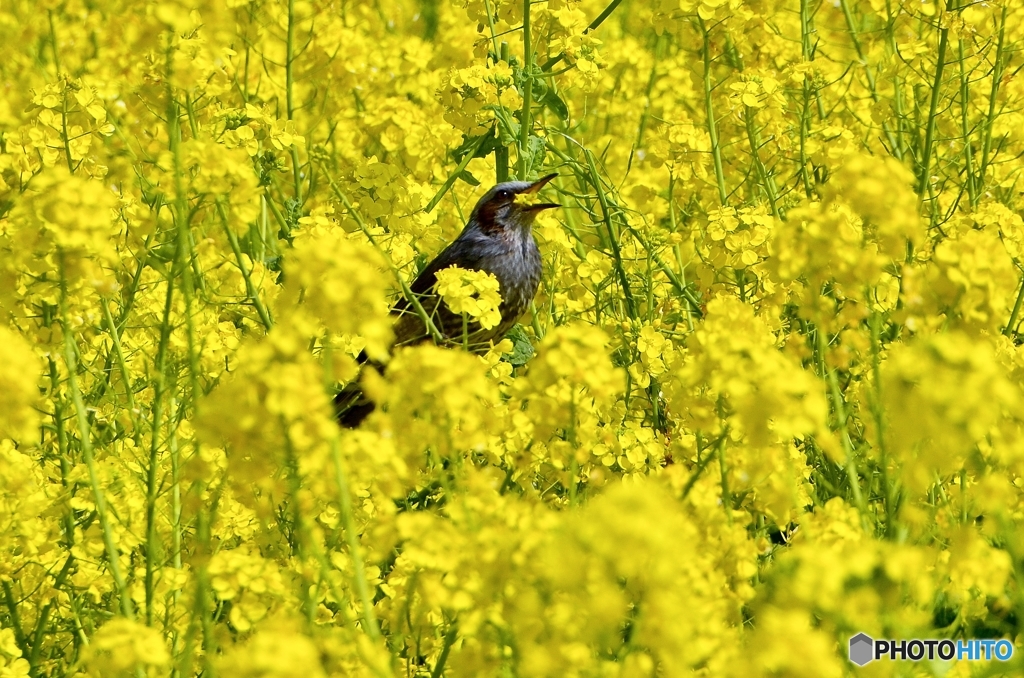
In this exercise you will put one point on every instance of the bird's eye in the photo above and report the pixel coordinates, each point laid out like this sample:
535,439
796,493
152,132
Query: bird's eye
504,194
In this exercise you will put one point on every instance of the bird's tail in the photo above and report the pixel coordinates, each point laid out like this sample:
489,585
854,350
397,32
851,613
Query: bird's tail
351,404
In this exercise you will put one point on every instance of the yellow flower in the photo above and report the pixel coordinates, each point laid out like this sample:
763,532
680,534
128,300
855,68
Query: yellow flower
340,282
595,267
473,293
19,392
122,646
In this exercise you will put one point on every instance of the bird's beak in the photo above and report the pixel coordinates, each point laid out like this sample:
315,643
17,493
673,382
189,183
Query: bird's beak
534,188
539,184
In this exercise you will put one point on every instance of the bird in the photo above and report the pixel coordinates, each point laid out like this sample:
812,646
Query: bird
497,239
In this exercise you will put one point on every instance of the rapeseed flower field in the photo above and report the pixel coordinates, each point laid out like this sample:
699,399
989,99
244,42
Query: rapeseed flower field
770,394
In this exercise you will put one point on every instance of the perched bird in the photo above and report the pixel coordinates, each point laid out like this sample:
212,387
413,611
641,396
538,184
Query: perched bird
498,240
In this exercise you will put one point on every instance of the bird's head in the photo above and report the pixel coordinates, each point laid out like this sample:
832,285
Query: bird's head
497,212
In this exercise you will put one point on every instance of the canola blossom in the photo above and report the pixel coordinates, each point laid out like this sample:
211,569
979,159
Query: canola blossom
769,395
474,294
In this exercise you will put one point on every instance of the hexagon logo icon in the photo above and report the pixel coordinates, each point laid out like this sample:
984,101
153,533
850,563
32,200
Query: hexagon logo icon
861,649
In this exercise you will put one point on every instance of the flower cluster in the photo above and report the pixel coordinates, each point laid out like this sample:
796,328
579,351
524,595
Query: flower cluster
473,293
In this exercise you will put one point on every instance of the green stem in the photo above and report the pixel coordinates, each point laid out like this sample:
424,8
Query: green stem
446,646
965,128
303,540
85,439
709,110
159,387
726,495
450,181
767,180
172,444
412,298
997,76
605,13
613,237
289,74
933,107
121,363
12,610
62,450
1012,323
878,413
872,83
352,539
501,152
53,42
490,25
250,288
839,408
807,87
64,131
525,121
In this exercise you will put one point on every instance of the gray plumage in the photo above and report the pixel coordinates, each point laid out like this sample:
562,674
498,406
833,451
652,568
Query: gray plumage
497,239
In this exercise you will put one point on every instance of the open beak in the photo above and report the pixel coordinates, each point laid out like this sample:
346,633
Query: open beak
534,188
539,184
537,207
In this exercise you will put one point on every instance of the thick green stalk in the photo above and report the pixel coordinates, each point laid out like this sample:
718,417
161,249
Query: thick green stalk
501,152
933,108
289,76
805,113
709,110
62,450
446,646
159,387
997,76
53,43
85,440
12,610
172,444
183,262
965,129
525,121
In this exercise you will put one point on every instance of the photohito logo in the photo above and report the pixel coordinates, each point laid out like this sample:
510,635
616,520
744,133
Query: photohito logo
864,649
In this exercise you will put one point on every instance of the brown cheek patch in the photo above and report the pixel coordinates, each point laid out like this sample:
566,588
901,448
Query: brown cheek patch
486,219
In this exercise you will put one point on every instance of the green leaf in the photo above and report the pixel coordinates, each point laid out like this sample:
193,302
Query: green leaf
481,145
522,349
164,252
468,177
555,104
535,151
506,124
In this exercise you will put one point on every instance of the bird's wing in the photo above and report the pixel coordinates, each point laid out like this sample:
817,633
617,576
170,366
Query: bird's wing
409,328
427,278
